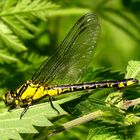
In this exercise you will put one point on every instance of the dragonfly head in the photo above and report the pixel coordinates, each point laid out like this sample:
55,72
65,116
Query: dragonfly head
9,98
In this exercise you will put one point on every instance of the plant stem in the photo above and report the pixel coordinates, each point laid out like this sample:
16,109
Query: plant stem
130,103
77,121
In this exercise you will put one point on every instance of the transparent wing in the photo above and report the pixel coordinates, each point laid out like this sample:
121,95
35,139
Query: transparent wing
73,55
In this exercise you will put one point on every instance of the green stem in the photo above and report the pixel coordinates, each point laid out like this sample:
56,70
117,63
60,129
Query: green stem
77,121
50,11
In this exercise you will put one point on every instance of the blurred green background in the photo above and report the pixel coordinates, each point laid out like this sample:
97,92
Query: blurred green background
118,43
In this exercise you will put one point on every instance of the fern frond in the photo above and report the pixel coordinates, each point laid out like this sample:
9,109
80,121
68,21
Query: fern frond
133,69
8,38
16,21
131,119
5,57
17,27
35,8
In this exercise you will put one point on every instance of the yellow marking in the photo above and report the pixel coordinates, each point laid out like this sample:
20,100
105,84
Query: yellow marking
71,89
16,102
28,82
65,90
129,83
121,84
19,88
110,85
59,90
89,87
33,90
15,95
96,86
38,93
85,87
29,92
51,92
33,86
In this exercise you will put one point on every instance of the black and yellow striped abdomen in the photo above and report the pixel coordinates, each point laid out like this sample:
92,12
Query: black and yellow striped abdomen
93,85
29,92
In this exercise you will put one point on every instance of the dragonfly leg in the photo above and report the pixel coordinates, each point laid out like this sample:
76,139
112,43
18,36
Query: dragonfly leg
24,111
12,107
50,100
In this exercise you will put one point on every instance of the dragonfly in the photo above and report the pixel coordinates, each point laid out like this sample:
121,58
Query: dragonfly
61,73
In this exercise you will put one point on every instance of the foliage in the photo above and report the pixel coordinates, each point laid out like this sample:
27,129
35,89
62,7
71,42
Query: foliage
32,29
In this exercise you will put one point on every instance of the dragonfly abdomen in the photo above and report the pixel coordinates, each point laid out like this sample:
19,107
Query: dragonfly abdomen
92,85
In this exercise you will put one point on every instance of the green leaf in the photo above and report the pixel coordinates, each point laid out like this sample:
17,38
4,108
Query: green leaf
8,4
27,23
5,57
6,135
36,8
133,69
131,119
37,115
17,19
101,133
17,27
11,40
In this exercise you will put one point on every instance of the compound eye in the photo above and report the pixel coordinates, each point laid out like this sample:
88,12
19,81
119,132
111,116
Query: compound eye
9,99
